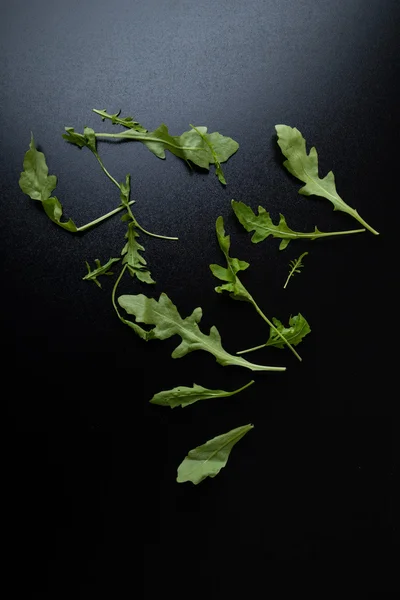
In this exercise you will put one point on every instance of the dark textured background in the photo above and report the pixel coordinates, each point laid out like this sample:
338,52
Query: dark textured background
90,464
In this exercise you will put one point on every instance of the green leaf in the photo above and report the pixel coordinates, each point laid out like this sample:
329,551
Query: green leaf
295,267
195,146
218,169
305,167
183,396
297,330
34,180
87,139
164,315
117,120
38,185
53,209
234,285
131,257
99,270
207,460
263,226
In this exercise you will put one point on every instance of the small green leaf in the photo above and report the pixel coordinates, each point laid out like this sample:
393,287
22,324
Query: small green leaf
218,169
34,180
207,460
38,185
128,122
99,270
234,285
131,257
167,322
295,267
183,396
87,139
297,330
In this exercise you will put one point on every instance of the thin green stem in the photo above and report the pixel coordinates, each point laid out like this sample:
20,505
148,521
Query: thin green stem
106,171
361,220
103,218
114,291
251,349
242,388
162,237
258,309
131,135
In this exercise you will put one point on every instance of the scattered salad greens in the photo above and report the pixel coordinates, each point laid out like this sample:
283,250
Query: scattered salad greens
207,460
305,167
202,149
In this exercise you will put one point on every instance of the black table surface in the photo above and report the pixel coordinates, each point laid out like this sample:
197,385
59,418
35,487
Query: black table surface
91,465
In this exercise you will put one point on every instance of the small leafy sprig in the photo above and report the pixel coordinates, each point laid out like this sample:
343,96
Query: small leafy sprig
234,286
263,226
305,167
295,267
99,270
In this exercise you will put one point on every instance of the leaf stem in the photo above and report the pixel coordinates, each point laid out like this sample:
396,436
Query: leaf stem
251,349
142,137
103,218
114,291
361,220
242,388
258,309
105,170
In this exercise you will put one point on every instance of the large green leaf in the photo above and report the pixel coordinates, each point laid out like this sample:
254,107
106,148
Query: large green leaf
305,167
167,322
263,226
207,460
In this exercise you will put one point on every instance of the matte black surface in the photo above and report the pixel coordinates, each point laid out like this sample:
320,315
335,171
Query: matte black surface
92,464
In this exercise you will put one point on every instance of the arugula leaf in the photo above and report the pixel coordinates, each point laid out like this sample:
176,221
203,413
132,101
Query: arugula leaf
168,322
263,226
195,146
218,169
207,460
38,185
234,286
295,266
136,263
183,396
297,330
305,167
88,138
99,270
35,180
116,120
